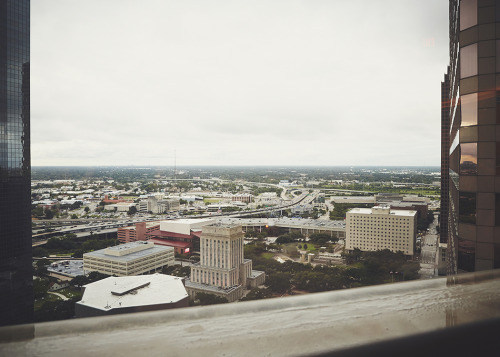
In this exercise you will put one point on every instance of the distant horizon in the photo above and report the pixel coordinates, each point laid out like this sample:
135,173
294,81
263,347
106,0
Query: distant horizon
244,166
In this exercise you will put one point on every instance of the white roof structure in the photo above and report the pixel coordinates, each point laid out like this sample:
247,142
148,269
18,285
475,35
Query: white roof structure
184,226
132,291
383,210
127,252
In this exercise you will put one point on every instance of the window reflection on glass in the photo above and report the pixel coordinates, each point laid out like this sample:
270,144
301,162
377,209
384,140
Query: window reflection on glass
468,14
466,255
468,61
498,158
468,106
468,159
467,207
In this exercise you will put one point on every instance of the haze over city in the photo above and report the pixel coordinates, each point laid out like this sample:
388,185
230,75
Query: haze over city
237,83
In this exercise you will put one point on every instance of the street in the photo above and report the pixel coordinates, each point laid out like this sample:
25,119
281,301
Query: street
429,250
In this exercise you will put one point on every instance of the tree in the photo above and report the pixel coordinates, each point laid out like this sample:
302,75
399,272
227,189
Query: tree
49,214
86,209
279,282
55,310
210,299
321,238
352,257
40,252
79,281
132,210
40,287
75,205
95,276
257,294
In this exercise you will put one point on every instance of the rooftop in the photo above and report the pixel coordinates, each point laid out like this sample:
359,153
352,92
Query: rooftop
284,222
129,291
148,225
129,253
369,211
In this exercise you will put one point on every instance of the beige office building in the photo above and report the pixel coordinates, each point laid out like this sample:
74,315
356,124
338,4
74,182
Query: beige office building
378,228
222,269
133,258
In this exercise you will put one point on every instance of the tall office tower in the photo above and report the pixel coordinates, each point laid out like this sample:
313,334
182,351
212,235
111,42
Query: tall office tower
16,276
445,159
472,83
222,269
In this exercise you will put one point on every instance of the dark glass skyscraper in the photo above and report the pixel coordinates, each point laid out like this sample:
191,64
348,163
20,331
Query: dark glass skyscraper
16,277
471,137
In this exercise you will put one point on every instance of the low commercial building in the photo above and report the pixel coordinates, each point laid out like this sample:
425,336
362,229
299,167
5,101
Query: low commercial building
133,258
378,228
242,197
181,234
120,206
139,231
118,295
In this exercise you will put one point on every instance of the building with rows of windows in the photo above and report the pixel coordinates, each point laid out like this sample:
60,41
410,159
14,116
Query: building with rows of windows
129,259
470,132
16,273
378,228
222,270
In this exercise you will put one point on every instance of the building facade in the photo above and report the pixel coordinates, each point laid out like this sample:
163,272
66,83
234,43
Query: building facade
16,277
471,114
158,204
140,231
378,228
129,259
222,269
181,234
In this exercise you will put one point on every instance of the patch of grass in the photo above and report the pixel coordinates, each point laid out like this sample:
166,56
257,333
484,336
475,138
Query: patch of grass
268,255
47,297
71,292
211,200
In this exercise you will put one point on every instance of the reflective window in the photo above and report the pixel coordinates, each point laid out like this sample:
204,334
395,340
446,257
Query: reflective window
467,207
468,106
498,158
468,14
468,159
497,209
466,255
498,53
468,61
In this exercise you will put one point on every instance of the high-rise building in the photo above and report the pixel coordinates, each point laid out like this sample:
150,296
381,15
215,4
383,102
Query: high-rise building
378,228
16,275
222,270
471,118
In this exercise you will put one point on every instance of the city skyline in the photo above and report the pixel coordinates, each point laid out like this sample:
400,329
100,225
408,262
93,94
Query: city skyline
281,83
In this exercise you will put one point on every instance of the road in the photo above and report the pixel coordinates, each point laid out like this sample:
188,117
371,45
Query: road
428,254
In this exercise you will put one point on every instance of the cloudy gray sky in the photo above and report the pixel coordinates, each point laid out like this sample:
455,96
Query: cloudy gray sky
318,82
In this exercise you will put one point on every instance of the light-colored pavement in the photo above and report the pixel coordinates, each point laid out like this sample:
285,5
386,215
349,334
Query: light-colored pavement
57,294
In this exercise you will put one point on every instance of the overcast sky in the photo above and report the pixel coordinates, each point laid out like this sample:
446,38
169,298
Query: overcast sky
317,82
